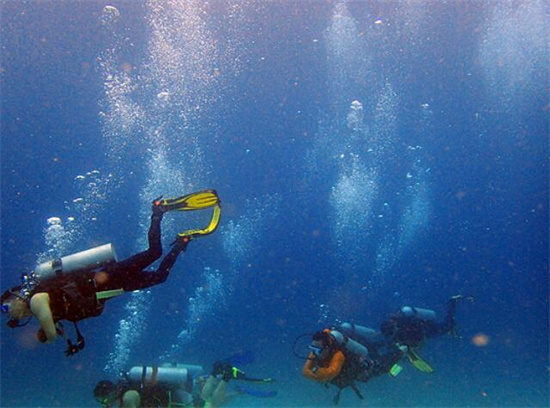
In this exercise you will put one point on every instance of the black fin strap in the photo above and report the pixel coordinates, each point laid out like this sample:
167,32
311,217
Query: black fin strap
72,349
143,377
336,399
356,389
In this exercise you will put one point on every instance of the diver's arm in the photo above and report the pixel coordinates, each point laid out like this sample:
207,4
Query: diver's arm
40,307
307,370
323,374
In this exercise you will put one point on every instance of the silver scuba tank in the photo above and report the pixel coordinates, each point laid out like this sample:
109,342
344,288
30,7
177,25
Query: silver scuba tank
349,344
178,376
361,333
193,369
89,259
423,314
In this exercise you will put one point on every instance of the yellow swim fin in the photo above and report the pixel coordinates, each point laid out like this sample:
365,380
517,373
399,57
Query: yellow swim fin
189,202
418,362
210,228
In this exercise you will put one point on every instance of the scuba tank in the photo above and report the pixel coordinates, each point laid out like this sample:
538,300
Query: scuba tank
180,376
349,344
193,369
422,314
90,259
358,332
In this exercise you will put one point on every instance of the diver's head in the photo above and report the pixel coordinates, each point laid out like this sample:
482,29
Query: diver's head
390,327
322,343
105,392
15,306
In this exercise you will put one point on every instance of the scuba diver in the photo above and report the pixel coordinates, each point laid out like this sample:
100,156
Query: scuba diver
349,353
175,385
77,286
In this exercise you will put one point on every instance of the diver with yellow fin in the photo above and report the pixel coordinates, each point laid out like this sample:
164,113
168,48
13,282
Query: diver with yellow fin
348,353
77,286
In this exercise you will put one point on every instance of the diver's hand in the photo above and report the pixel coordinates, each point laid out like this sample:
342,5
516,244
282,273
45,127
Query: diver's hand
156,206
41,336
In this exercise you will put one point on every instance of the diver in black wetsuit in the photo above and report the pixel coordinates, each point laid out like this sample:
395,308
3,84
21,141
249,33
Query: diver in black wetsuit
410,326
82,294
131,274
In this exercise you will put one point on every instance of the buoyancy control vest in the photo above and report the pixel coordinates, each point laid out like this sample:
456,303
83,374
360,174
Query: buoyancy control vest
74,299
355,354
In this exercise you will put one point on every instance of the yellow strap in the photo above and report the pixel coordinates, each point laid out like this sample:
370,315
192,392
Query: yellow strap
107,294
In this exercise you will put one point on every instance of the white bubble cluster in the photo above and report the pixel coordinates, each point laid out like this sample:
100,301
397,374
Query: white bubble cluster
208,299
513,49
347,59
417,214
355,116
129,331
109,15
240,237
180,84
354,157
93,190
324,314
62,237
59,240
351,202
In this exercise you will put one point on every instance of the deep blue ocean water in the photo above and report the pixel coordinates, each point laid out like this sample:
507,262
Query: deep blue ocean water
368,155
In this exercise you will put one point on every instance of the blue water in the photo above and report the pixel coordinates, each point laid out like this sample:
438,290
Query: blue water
367,154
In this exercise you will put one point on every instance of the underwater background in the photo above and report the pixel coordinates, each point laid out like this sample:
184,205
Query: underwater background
368,155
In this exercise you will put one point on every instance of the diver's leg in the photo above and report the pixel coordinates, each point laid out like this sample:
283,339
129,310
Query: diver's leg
218,396
450,318
146,279
434,329
131,399
142,260
209,387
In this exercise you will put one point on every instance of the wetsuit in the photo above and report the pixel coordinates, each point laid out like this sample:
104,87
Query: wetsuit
131,274
74,298
412,331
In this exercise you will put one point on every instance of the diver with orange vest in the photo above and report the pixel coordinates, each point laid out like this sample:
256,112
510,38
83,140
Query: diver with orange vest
349,353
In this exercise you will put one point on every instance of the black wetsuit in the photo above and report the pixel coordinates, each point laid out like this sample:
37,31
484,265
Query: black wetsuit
412,331
131,274
75,299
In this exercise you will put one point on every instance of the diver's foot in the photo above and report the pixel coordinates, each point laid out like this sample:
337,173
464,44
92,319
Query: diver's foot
182,241
232,373
404,349
220,367
456,298
156,206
